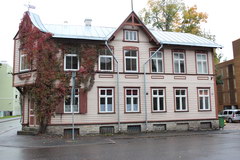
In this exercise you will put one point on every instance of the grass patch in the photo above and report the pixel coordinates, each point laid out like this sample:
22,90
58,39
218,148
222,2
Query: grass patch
8,117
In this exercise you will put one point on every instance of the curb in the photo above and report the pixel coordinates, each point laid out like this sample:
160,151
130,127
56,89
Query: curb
10,119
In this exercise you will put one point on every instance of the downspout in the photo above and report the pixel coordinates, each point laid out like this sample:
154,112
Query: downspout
118,92
145,89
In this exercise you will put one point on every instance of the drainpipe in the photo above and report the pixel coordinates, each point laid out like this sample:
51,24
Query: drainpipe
145,89
118,92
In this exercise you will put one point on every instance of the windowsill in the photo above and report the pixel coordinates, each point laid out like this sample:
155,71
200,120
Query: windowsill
71,70
182,111
204,110
25,70
70,112
159,111
106,112
137,41
132,112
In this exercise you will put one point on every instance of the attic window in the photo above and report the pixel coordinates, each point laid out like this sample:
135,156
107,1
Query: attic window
131,35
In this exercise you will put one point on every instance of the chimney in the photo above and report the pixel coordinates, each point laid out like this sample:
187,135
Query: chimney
88,22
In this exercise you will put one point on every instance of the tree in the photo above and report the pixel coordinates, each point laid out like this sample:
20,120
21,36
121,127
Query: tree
174,15
162,14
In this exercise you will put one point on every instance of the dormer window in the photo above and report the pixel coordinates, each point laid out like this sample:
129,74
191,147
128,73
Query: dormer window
131,35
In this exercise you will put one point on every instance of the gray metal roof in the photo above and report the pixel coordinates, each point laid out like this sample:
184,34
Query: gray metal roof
104,33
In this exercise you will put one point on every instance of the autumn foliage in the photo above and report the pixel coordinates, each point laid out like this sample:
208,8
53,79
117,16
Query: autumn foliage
51,83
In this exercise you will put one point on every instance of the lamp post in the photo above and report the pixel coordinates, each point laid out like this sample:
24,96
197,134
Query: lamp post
73,101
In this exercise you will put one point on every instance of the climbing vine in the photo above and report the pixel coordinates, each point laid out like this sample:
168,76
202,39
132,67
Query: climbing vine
45,55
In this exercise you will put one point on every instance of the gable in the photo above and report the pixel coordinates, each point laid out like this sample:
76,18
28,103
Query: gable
133,21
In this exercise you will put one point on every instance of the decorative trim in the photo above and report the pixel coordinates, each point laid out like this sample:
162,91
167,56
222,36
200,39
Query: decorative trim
105,76
180,77
25,76
131,76
157,77
202,78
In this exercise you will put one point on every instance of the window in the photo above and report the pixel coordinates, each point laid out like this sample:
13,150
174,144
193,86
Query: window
158,100
131,35
181,99
202,67
105,60
67,103
179,62
204,99
131,60
24,64
157,62
132,99
106,100
71,62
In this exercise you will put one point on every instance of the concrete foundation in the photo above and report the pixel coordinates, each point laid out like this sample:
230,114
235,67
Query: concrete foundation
136,127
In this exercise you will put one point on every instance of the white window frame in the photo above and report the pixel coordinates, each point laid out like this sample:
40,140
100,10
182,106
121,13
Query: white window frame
130,35
130,57
132,97
178,60
76,96
181,99
21,61
156,59
204,97
158,100
99,64
72,55
201,61
106,100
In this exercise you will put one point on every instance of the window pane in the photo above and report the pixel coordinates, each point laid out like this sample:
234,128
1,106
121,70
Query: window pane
126,34
67,101
102,92
128,64
155,104
181,56
154,92
109,104
205,92
183,103
154,65
199,67
74,62
134,64
176,56
160,69
135,104
109,92
204,57
135,92
102,104
161,103
177,103
133,53
76,101
127,53
204,67
206,103
135,35
177,92
108,63
75,108
199,57
67,108
160,92
68,62
201,102
129,92
128,104
182,66
182,92
176,67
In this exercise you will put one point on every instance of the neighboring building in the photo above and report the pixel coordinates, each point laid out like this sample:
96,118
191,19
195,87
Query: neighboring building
227,92
180,84
9,95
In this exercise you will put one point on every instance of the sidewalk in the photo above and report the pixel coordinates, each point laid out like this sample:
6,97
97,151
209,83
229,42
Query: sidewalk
9,119
47,141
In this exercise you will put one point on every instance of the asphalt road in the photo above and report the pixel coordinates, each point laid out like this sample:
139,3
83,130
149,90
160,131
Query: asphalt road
220,145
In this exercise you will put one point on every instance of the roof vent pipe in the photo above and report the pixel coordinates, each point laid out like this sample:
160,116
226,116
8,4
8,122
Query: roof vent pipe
88,22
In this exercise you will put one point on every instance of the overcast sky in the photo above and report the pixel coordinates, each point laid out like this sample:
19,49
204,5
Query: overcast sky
222,17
